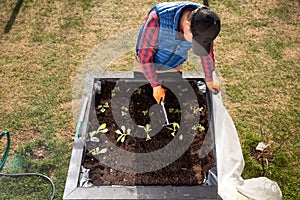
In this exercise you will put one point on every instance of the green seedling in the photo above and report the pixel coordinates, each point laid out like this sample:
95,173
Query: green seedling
173,110
101,129
177,111
123,133
97,151
145,112
147,129
103,108
114,91
199,127
182,89
175,127
180,137
139,91
196,110
124,110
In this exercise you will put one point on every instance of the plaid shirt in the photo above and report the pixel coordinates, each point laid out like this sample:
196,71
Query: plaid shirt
147,48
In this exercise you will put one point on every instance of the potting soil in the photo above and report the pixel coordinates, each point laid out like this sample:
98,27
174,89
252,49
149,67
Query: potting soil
188,169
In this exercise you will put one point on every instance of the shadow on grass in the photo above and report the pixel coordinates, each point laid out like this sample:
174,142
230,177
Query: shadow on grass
13,16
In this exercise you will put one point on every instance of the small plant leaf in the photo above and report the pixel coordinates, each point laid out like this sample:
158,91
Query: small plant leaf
175,125
180,137
104,150
124,108
118,132
119,138
97,149
123,139
102,126
139,91
177,111
123,129
148,128
106,105
201,128
94,151
93,133
196,109
104,131
148,137
169,128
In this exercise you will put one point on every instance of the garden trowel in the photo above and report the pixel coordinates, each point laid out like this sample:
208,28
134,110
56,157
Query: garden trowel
165,113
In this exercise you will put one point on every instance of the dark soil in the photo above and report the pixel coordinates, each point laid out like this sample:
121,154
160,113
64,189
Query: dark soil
141,109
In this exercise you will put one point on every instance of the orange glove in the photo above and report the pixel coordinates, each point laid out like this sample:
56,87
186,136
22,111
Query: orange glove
158,93
214,86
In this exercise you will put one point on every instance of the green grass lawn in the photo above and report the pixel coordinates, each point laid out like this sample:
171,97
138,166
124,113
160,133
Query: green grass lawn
257,55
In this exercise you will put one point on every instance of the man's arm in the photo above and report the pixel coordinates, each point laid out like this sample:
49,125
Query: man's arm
147,47
208,64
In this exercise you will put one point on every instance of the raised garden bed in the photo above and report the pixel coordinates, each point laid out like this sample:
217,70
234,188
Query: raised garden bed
129,151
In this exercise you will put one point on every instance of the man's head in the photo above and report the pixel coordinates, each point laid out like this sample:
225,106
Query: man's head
205,27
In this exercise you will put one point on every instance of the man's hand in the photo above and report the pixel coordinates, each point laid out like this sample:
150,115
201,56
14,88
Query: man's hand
213,86
158,94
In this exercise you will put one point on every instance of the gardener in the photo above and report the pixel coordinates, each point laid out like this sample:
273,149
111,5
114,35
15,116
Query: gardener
170,30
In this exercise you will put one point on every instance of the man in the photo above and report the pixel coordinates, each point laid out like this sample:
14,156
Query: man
170,30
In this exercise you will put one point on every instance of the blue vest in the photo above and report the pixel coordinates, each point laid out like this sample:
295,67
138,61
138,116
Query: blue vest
172,51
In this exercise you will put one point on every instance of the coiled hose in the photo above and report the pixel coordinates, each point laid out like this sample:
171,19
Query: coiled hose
21,174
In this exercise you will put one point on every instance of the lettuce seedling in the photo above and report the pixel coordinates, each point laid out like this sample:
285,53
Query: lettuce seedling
196,109
124,110
174,128
114,91
97,151
145,112
173,110
123,133
199,127
147,129
101,129
103,108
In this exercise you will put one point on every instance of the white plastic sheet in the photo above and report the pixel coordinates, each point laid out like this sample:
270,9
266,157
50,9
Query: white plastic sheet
230,162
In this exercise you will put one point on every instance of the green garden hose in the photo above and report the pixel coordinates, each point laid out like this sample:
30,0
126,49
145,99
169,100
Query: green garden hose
21,174
7,148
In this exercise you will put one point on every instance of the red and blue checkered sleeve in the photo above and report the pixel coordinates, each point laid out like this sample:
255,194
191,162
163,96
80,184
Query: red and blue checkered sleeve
208,65
147,47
